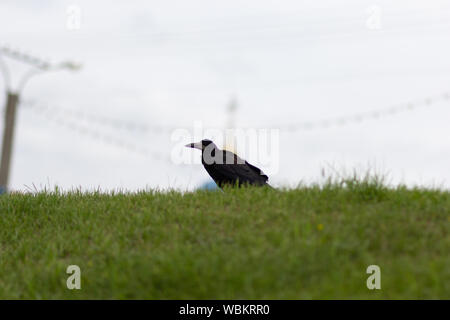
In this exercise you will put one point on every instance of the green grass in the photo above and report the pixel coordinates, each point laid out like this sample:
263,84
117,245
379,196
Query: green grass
255,243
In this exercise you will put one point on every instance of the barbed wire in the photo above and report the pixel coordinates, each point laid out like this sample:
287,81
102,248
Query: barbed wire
17,54
100,136
117,124
362,116
42,64
350,119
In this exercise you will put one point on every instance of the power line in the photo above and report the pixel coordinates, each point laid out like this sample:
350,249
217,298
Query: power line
300,24
245,40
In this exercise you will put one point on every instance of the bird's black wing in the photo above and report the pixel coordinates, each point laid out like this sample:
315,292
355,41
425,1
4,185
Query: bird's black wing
240,169
258,171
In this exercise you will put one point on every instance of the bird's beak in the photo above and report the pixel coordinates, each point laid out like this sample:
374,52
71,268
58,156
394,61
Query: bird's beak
197,145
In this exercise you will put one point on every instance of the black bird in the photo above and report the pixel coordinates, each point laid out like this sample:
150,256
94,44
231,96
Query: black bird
226,168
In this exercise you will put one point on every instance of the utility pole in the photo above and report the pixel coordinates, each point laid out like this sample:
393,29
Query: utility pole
37,66
8,136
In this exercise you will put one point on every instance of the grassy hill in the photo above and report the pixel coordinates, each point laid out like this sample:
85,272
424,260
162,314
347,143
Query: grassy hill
311,242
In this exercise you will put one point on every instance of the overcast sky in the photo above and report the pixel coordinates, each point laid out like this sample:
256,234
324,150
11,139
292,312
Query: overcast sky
162,65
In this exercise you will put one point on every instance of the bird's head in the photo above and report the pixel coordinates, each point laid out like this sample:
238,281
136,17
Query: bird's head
202,145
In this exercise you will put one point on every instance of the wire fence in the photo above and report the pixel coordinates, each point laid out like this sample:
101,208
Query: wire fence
139,127
359,117
97,119
82,123
17,54
96,134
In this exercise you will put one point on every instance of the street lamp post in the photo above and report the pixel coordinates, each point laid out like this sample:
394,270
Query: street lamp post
12,101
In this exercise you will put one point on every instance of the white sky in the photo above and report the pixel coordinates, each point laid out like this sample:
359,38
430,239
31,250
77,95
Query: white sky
170,63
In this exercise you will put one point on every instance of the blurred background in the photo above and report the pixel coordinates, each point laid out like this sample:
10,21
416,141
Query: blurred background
350,84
